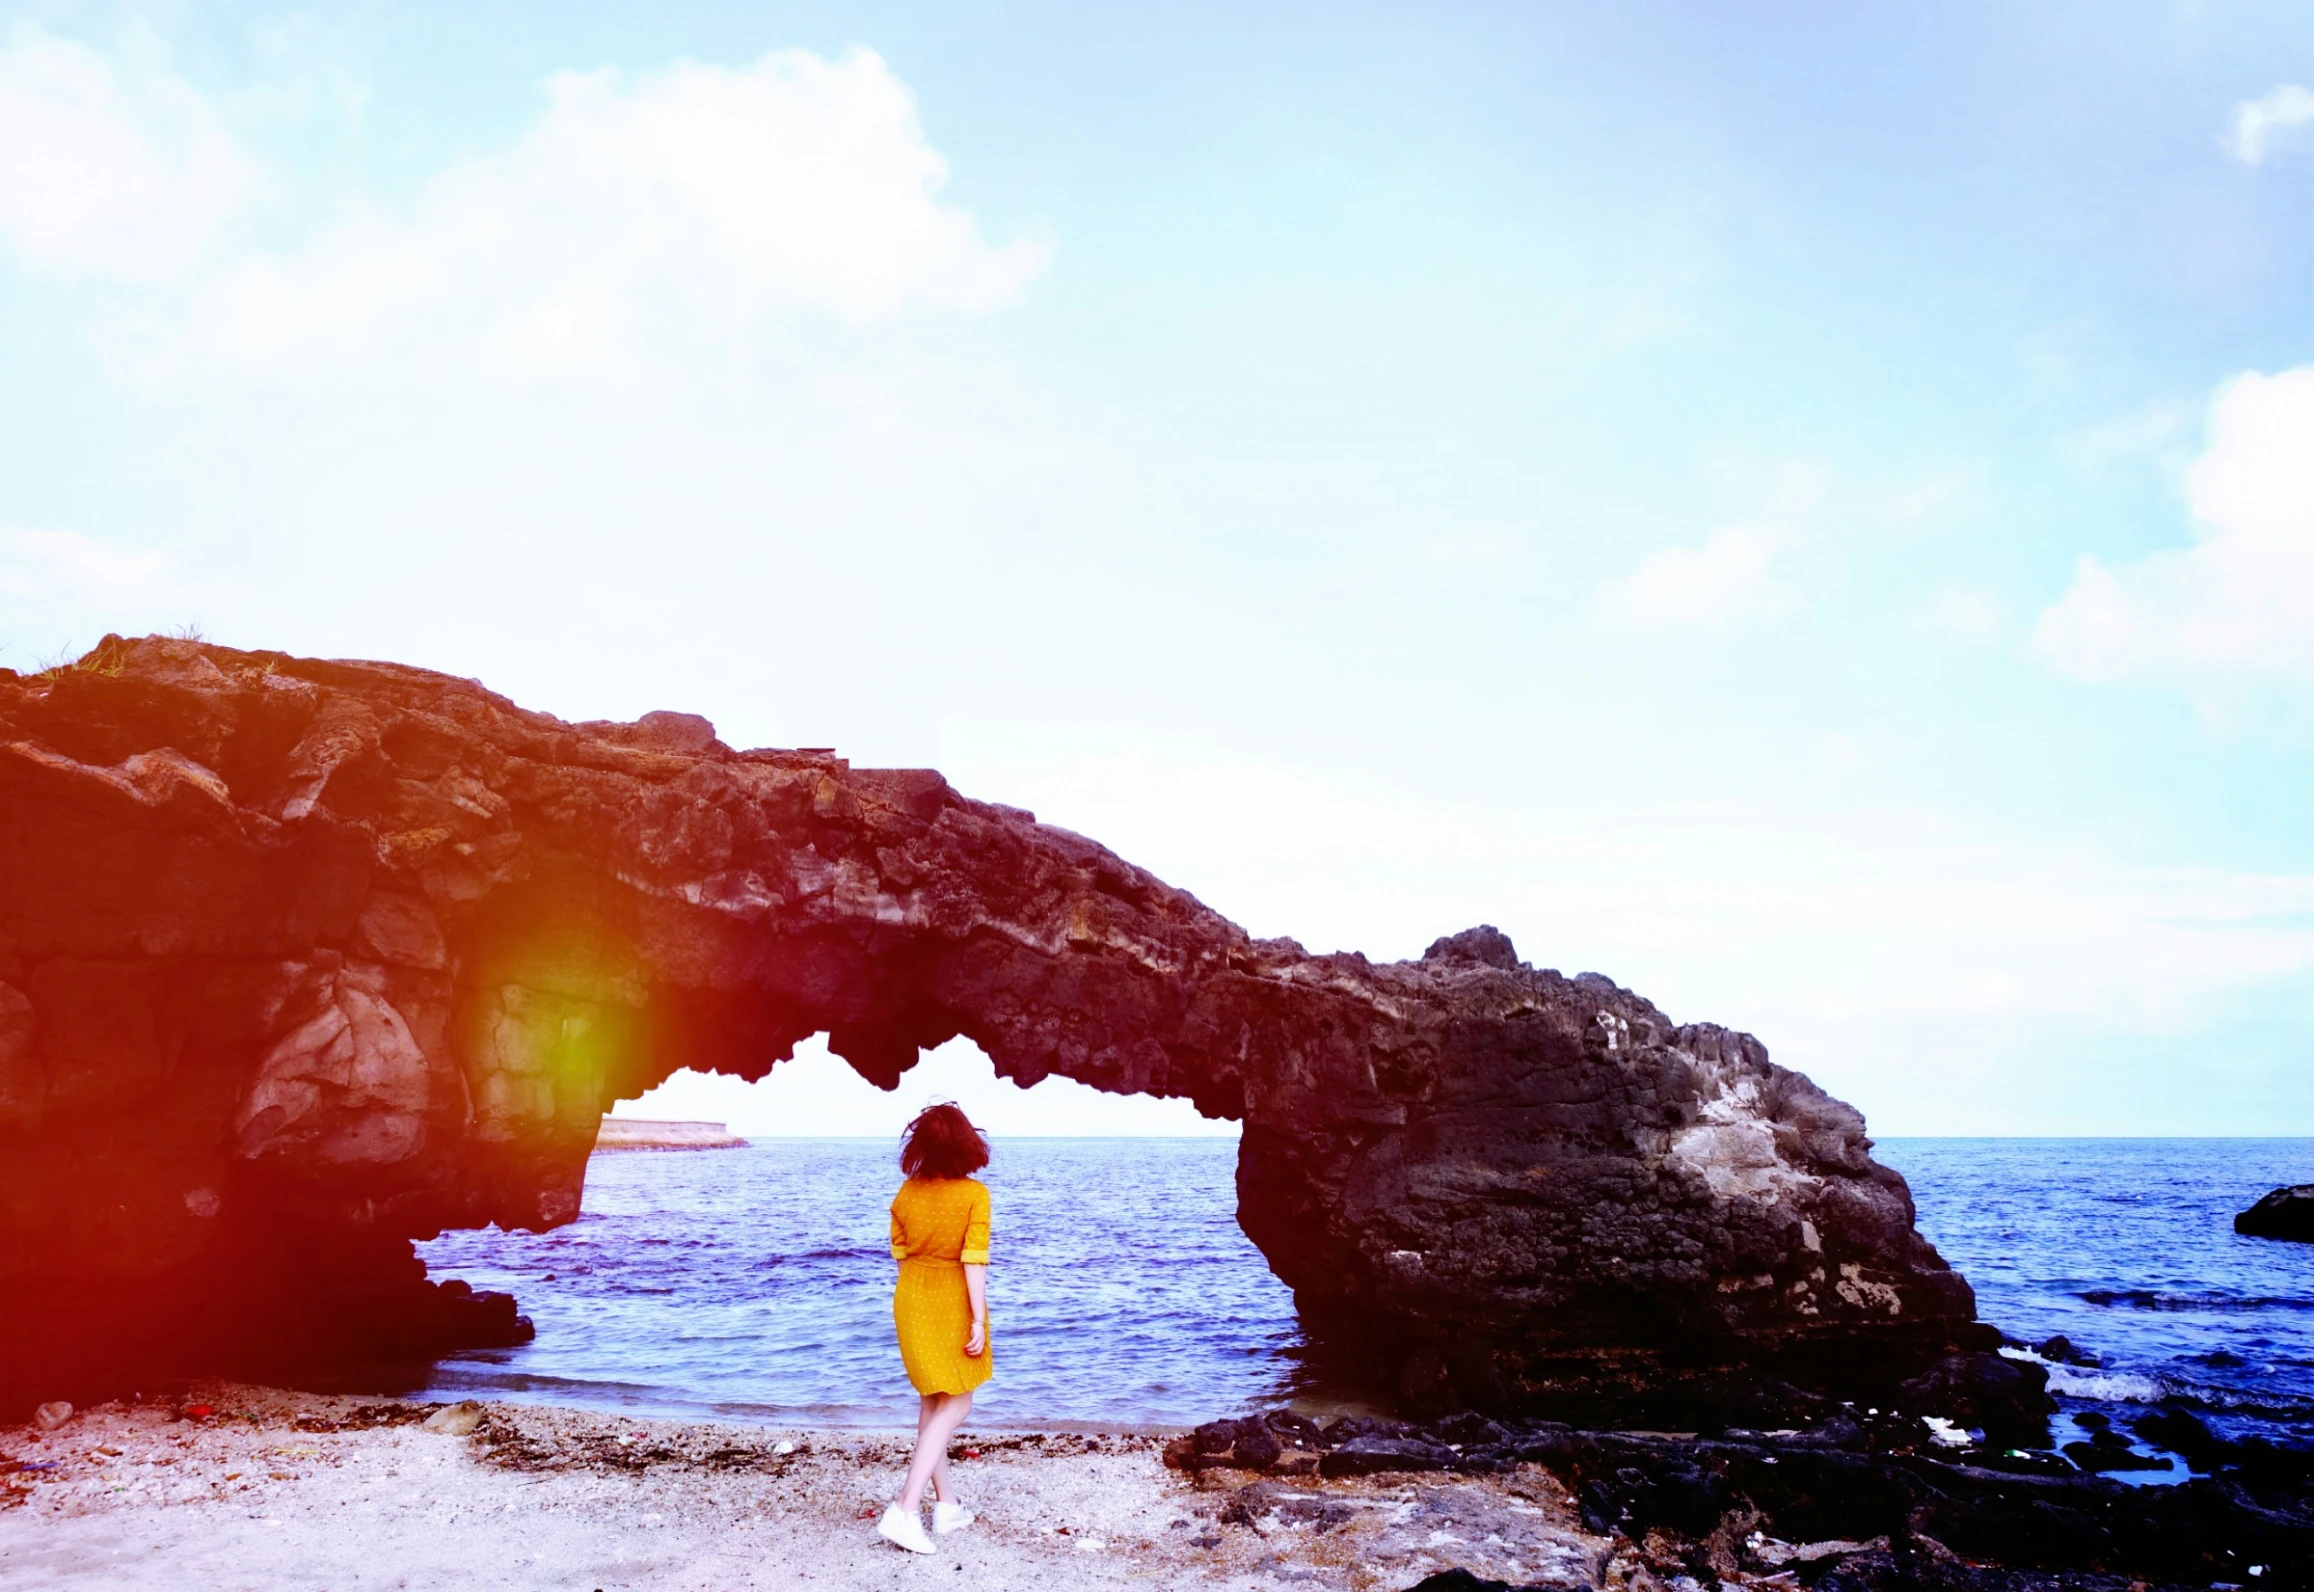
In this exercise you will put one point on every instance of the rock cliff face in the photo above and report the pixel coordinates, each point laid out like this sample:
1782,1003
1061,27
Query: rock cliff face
301,961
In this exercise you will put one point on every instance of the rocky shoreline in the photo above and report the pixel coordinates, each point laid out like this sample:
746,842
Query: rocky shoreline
302,962
221,1486
218,1485
1863,1500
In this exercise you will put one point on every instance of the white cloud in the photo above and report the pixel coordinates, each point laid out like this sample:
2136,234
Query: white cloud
1963,611
1730,576
1928,500
2263,124
604,400
1841,751
46,560
1724,579
60,590
2090,632
1475,546
2148,433
583,412
2238,605
694,202
119,169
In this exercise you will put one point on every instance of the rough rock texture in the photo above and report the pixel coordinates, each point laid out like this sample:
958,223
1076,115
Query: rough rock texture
2285,1213
300,961
1876,1498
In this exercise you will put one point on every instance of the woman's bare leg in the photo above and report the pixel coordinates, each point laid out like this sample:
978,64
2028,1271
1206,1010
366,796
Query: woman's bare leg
926,1403
931,1456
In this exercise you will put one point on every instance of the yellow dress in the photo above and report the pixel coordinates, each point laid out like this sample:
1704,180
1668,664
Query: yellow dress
939,1226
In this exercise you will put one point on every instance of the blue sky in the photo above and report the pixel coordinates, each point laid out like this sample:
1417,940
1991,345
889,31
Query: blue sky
1807,510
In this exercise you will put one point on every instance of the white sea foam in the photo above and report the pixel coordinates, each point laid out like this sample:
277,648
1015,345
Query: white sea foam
2112,1387
2116,1387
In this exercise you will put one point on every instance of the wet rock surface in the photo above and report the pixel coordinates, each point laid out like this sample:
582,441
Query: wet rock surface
2286,1213
1872,1498
301,961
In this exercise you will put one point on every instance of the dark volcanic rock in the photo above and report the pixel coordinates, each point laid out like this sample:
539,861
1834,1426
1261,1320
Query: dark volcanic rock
1929,1510
1256,1446
2061,1350
1899,1513
2185,1434
2102,1457
2001,1396
1486,945
1371,1456
2285,1213
1463,1581
301,961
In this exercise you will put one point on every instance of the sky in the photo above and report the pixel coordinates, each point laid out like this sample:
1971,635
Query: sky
1806,510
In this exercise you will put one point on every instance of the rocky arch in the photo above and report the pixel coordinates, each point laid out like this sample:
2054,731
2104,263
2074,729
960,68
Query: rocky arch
301,961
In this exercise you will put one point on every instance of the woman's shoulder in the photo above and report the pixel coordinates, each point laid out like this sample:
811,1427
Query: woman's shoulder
920,1184
943,1189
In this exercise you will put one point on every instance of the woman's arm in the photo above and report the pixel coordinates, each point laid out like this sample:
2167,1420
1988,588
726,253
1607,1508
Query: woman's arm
976,1289
975,1257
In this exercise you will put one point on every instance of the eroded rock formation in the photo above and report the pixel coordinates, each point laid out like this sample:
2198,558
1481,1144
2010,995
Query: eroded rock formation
301,961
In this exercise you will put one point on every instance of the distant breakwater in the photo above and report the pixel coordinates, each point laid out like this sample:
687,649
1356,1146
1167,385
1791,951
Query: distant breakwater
637,1133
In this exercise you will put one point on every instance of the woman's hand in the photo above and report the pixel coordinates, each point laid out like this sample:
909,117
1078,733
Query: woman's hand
977,1339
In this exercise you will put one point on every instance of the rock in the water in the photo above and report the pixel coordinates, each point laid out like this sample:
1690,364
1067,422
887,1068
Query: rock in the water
2061,1350
2101,1456
2185,1434
2285,1213
2004,1398
302,961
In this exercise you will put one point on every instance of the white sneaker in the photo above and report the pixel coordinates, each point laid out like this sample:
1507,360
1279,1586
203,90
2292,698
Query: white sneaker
903,1530
951,1517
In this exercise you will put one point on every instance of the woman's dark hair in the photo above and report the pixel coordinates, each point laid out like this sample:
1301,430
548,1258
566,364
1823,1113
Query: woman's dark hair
942,1142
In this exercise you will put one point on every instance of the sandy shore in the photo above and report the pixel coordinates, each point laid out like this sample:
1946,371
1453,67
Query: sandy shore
281,1490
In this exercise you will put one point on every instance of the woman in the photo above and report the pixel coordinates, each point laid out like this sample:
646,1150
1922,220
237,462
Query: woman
940,1239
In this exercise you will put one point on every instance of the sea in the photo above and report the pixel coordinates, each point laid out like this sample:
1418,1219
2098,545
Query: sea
754,1284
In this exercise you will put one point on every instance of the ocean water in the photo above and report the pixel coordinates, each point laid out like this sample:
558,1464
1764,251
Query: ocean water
2126,1247
755,1284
